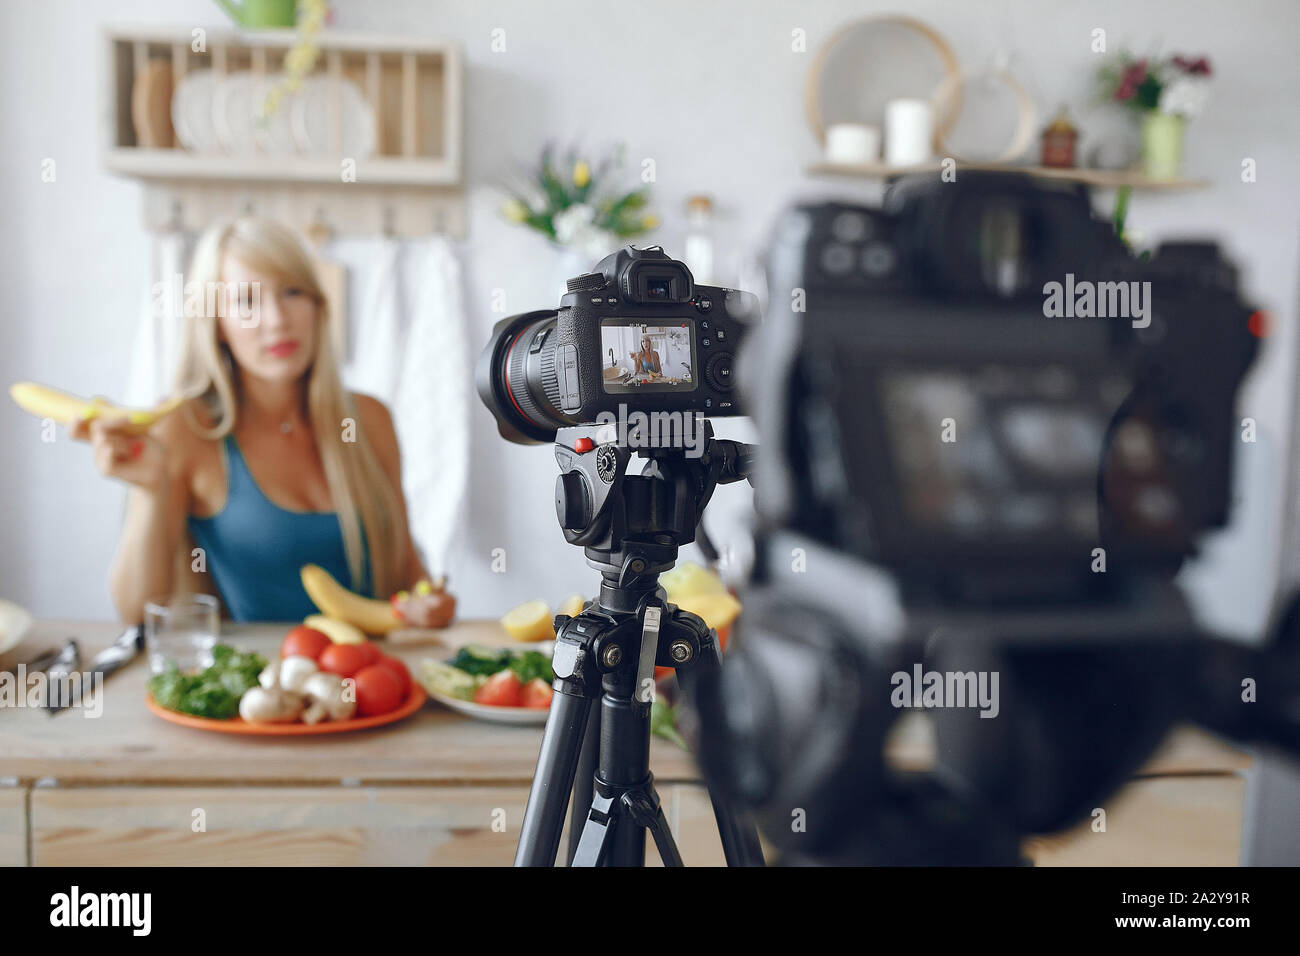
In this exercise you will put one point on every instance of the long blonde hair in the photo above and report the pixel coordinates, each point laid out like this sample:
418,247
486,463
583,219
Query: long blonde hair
363,496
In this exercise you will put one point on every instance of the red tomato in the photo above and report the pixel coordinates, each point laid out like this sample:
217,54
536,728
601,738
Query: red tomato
304,641
537,693
398,670
502,689
378,691
372,652
342,659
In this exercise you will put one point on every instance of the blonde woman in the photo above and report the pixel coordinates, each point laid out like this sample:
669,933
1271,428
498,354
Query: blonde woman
270,464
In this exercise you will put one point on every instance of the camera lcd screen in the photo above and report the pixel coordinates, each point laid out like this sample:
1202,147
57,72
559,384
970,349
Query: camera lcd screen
1026,464
637,356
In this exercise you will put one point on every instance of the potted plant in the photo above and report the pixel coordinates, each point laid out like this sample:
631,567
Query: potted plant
1165,93
578,208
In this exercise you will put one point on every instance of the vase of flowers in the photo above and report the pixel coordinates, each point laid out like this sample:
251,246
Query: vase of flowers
1165,93
577,207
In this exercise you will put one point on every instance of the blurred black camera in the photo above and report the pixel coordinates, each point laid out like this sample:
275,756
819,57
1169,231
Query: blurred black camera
990,437
635,335
986,386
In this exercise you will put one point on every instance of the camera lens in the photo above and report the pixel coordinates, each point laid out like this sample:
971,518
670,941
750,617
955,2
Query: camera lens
517,381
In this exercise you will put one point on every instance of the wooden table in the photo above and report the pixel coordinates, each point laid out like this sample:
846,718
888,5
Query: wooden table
438,788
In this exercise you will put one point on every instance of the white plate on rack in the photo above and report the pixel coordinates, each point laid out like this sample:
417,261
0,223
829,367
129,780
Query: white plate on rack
309,118
241,125
233,115
192,112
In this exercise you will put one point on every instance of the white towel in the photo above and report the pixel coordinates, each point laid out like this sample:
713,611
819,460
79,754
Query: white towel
378,328
156,348
431,409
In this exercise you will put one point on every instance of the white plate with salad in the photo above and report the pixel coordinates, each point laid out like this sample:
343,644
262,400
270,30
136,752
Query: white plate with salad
503,685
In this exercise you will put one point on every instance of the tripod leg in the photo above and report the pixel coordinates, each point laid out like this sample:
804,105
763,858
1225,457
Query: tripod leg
597,831
618,814
648,812
584,782
539,839
739,837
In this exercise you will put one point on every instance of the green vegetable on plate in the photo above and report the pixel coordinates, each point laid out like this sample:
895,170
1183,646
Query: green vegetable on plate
213,692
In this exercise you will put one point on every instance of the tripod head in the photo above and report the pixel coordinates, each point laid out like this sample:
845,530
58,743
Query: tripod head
631,526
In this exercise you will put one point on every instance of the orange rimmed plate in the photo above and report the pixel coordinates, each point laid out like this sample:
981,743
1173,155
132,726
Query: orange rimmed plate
237,725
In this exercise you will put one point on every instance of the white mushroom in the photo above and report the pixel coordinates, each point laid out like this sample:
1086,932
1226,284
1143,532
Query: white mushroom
289,673
261,705
294,672
315,712
325,698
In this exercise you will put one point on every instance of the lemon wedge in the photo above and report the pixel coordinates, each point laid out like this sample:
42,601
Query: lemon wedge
530,621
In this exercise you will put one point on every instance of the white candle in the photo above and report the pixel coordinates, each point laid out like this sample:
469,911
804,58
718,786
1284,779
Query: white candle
852,143
909,132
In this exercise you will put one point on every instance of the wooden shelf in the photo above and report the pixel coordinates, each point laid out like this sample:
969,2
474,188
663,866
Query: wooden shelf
1102,178
410,184
179,164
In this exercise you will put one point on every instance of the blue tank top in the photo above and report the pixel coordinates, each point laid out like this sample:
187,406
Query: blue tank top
254,549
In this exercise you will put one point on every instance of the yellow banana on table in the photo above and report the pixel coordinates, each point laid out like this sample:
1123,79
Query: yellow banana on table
340,632
336,601
63,407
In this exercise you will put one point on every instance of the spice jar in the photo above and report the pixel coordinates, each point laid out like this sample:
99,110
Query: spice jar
1059,140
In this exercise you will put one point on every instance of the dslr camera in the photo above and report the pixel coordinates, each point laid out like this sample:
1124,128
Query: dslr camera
636,334
991,437
984,386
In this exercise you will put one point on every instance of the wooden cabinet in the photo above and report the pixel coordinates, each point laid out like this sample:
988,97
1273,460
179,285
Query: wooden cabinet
126,788
304,826
290,826
13,826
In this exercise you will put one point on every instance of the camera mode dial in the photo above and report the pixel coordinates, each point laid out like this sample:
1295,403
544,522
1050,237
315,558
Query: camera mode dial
719,371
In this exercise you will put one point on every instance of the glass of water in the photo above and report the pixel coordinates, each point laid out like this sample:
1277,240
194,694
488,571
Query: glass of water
182,629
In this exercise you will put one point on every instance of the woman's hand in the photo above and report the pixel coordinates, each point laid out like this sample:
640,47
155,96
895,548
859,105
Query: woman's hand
120,453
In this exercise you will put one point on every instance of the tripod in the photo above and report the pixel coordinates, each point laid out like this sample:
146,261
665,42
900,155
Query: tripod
631,528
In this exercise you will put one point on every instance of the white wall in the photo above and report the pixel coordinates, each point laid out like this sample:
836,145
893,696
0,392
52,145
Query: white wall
713,92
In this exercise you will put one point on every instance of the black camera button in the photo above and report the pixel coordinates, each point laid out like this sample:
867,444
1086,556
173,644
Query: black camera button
850,227
705,343
878,260
597,300
718,371
572,501
837,259
704,304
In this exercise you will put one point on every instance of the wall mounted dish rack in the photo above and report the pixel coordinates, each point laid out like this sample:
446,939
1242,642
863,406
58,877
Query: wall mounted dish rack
369,144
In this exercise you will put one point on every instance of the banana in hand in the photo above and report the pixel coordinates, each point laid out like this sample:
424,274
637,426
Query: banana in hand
63,407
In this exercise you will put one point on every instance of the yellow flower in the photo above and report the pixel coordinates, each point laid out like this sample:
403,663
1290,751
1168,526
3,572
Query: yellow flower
515,210
581,173
649,222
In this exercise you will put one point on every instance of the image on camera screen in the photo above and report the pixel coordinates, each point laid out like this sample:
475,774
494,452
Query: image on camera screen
636,356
